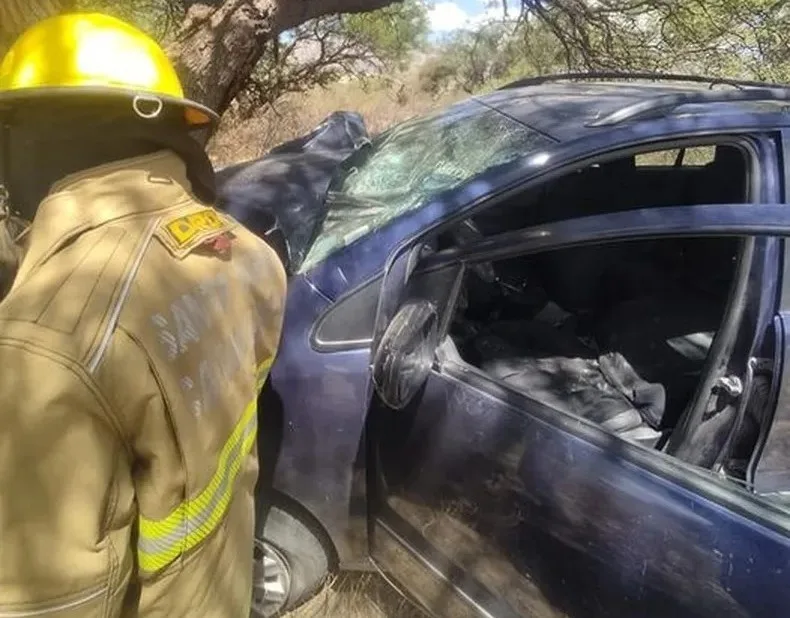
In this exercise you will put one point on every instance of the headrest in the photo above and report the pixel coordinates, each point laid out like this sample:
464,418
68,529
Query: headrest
621,165
728,156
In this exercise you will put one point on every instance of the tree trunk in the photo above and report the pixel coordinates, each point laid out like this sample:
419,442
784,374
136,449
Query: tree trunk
219,44
16,15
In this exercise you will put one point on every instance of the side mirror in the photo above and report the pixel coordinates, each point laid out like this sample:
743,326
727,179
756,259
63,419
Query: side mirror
404,357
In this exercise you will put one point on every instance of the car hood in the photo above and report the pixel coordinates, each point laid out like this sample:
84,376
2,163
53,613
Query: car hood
284,191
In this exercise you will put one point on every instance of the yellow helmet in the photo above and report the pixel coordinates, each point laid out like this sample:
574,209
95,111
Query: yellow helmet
94,54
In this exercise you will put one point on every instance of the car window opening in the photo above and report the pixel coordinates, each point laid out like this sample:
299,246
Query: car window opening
616,333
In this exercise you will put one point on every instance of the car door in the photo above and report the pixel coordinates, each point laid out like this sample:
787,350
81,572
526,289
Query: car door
487,503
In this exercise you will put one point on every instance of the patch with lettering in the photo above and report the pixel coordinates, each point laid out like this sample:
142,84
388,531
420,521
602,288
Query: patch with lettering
187,232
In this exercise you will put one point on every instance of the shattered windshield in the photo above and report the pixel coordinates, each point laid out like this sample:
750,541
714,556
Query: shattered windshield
405,167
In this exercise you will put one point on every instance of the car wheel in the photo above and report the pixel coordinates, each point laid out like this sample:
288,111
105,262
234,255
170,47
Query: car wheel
290,564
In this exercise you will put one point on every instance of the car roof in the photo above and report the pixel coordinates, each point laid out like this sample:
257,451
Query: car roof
565,110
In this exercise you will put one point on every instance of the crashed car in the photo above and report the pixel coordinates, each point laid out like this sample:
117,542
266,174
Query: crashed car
533,355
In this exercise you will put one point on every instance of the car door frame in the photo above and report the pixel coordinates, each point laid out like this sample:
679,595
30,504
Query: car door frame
717,220
769,469
766,186
691,477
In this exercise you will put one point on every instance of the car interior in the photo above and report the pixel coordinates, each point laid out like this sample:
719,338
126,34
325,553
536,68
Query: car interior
616,333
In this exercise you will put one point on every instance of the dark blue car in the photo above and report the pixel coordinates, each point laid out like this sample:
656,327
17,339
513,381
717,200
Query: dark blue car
533,358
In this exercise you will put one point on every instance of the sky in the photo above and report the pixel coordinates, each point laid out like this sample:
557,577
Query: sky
448,15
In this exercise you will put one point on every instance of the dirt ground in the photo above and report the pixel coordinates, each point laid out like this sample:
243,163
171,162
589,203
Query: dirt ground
358,595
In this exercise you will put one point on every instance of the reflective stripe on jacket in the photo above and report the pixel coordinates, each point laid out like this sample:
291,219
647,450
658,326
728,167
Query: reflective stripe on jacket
134,343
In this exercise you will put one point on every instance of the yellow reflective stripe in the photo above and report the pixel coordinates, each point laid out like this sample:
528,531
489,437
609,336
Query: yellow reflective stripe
161,541
262,371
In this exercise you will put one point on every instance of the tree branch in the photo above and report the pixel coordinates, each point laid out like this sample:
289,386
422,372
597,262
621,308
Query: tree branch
221,43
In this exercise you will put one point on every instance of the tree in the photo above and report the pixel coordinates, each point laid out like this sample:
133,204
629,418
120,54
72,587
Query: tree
495,51
391,33
217,47
325,49
740,38
159,18
216,44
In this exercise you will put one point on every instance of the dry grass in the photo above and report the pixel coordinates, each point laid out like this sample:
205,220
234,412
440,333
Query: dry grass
358,595
380,103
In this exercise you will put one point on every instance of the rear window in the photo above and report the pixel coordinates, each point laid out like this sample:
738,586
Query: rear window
405,167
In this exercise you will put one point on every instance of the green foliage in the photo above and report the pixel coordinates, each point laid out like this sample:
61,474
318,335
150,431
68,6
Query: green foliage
325,50
157,17
392,33
732,38
490,55
726,38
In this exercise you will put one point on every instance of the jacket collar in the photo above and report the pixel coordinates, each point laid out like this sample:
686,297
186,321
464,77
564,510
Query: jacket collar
99,195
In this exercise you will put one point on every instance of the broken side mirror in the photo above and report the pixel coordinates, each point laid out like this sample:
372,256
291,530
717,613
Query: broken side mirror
404,357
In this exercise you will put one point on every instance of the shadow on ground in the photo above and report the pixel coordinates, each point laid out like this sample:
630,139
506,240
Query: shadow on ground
358,595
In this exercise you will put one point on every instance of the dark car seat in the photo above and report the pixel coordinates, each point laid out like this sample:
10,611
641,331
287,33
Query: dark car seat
662,302
554,368
724,180
666,339
656,305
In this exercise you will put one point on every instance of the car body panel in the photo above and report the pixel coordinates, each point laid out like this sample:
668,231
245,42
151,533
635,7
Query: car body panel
771,474
312,424
565,111
770,467
530,522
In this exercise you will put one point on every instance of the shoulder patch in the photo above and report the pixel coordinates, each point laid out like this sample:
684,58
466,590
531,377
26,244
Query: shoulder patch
184,233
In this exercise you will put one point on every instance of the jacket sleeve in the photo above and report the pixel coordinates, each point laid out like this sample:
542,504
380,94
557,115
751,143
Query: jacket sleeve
64,470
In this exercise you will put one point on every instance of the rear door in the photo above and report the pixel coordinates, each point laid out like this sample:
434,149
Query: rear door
488,503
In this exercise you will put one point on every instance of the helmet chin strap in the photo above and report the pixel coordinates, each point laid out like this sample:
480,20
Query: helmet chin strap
38,148
12,227
4,196
6,199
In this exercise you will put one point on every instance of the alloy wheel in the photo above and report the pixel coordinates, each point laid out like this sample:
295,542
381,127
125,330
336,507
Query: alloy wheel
271,580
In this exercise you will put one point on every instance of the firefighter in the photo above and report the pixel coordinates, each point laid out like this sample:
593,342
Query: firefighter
134,339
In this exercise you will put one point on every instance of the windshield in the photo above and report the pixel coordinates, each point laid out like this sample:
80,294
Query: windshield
405,167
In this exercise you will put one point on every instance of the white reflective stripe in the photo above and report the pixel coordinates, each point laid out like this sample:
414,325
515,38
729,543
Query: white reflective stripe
115,314
87,597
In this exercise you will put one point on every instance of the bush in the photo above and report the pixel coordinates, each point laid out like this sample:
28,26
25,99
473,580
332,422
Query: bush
437,75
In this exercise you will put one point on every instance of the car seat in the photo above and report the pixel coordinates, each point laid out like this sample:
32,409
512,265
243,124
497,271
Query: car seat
554,368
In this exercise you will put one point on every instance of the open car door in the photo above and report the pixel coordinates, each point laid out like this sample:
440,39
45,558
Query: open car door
487,502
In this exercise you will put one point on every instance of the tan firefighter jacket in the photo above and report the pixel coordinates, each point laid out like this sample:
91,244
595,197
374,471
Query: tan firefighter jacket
133,343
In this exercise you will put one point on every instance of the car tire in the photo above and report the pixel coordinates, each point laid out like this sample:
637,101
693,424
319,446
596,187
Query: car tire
291,563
